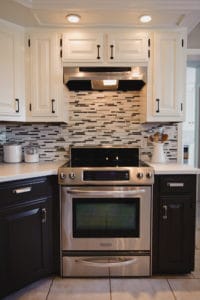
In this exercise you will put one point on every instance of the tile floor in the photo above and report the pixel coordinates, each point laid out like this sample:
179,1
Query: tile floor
111,289
186,287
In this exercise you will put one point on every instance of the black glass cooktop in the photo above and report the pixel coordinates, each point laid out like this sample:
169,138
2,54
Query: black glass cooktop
104,157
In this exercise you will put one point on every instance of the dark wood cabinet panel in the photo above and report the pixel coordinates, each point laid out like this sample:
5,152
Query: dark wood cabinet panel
177,184
174,224
27,233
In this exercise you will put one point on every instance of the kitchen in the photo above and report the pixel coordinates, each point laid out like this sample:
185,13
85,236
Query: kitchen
92,118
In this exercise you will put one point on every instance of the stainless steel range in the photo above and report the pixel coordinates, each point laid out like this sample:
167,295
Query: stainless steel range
106,213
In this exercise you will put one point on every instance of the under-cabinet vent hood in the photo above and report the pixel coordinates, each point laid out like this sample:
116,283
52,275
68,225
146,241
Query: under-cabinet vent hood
104,78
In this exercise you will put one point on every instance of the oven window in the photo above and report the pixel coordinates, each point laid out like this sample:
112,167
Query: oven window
97,217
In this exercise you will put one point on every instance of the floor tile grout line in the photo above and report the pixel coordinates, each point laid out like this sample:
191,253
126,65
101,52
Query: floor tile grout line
175,298
50,286
110,285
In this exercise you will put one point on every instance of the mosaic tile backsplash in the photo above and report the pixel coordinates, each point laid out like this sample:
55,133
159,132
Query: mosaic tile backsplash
95,118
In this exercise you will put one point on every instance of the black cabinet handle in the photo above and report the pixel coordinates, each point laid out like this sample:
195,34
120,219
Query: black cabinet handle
52,103
17,102
44,215
111,51
158,105
165,212
98,54
181,106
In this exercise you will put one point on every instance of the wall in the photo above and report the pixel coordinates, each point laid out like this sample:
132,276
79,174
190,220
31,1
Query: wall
95,118
193,38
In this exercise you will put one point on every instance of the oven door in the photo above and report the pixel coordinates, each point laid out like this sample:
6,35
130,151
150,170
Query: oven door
106,218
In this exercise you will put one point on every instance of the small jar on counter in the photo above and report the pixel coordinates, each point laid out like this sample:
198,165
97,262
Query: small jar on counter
31,154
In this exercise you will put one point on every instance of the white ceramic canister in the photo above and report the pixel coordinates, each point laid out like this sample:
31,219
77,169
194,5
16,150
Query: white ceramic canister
12,153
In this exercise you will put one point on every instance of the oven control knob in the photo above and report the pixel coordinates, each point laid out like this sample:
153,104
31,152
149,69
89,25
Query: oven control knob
72,175
62,175
148,175
139,175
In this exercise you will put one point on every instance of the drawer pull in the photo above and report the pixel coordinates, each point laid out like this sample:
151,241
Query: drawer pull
22,190
175,184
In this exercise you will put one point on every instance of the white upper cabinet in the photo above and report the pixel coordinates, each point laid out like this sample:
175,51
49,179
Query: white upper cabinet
44,77
128,46
166,80
97,47
82,46
12,106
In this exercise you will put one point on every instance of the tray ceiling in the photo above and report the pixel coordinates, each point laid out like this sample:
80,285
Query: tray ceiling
51,13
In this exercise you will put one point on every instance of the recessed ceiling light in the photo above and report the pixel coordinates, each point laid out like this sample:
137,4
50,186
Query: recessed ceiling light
72,18
145,19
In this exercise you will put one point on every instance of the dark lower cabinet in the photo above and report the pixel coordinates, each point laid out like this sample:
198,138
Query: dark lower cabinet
174,223
27,251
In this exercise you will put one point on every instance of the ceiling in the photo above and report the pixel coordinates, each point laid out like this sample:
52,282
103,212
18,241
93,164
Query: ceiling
107,13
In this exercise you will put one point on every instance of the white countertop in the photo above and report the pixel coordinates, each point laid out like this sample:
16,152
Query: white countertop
173,168
9,172
12,171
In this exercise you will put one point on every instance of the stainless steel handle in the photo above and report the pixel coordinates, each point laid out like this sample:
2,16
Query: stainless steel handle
98,263
165,212
44,215
175,184
103,193
22,190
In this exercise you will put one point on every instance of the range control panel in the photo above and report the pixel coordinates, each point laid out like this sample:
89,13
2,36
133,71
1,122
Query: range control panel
106,176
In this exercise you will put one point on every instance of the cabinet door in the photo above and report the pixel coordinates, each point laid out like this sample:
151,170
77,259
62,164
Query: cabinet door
169,70
25,249
11,73
81,46
176,234
45,77
127,46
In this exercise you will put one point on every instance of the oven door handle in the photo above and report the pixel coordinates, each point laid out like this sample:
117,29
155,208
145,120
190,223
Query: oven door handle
103,193
120,262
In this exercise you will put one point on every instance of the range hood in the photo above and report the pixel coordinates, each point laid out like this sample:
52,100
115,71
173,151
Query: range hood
104,78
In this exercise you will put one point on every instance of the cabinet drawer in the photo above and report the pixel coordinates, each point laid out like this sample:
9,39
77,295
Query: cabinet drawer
177,184
16,192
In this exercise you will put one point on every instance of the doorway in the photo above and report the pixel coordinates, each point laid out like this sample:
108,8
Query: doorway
191,126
